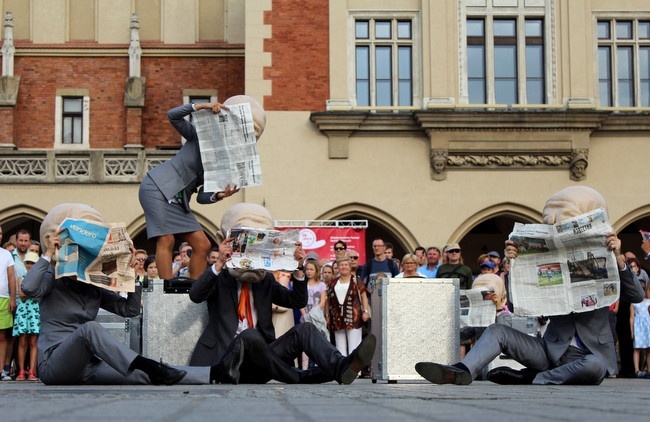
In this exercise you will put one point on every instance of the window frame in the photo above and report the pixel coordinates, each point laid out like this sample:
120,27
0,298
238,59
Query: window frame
614,45
415,43
61,95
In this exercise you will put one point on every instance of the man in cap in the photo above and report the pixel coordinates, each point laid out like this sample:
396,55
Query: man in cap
455,268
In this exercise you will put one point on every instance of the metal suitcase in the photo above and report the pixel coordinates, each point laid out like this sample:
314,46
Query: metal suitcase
171,323
126,330
414,320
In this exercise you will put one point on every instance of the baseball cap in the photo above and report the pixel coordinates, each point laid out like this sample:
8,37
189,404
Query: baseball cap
487,263
494,254
312,255
31,257
453,246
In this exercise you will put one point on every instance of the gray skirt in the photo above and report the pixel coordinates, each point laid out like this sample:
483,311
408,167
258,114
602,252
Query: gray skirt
161,217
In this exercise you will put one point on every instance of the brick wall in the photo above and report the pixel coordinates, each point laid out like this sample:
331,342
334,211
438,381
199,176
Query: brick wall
300,54
105,78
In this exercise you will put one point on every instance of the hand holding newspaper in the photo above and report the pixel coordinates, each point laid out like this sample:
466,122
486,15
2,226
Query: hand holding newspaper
96,254
565,267
228,148
477,308
263,249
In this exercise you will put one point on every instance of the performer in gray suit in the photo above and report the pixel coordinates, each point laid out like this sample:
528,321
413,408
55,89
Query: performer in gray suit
166,190
72,347
577,348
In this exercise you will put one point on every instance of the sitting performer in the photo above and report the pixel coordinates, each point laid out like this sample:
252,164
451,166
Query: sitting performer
240,319
72,347
577,348
166,190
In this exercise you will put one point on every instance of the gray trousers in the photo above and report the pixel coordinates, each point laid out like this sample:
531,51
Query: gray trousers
90,355
576,366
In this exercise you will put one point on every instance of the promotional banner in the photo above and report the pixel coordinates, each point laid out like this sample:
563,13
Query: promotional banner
322,239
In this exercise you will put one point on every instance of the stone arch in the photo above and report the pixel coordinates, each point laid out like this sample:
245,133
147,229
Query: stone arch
21,216
380,223
628,227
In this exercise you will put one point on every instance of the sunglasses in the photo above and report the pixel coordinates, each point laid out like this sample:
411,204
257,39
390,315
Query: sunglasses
354,257
454,251
140,259
339,248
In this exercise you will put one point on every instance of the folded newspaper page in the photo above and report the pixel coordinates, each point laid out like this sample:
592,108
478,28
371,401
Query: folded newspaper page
563,268
96,254
228,148
477,308
263,249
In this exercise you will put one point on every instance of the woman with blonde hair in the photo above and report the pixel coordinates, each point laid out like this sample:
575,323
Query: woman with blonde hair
410,265
346,307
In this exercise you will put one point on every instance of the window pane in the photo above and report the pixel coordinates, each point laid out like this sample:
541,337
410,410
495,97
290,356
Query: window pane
476,91
534,28
604,77
475,61
475,27
505,61
405,76
382,29
504,28
644,74
362,62
67,130
77,132
383,75
199,100
644,30
535,74
535,91
363,76
625,82
624,30
505,91
362,29
383,68
72,105
404,30
603,30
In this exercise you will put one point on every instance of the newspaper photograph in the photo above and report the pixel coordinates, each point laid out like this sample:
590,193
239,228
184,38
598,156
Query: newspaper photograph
228,148
477,308
563,268
263,249
96,254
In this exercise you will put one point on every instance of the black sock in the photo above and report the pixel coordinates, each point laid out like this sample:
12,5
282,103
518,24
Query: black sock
215,373
462,366
144,364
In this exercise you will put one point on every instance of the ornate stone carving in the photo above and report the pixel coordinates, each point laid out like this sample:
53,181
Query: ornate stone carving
121,167
438,161
578,165
488,160
73,167
134,92
8,49
9,90
23,167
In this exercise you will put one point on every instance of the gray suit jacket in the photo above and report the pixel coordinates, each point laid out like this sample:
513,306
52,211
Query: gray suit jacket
183,172
67,304
592,327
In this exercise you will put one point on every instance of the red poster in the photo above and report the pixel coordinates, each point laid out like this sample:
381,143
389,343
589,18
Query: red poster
322,239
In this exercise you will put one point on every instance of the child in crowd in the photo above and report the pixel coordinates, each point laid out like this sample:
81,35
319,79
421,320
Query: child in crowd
640,327
316,297
27,325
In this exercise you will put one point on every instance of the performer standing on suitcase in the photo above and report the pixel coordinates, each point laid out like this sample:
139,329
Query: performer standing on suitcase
166,190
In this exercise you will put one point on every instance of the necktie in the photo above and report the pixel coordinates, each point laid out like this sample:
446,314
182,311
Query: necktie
244,310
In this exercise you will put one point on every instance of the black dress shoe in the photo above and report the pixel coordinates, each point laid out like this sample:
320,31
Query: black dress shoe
165,374
508,376
443,374
357,360
227,371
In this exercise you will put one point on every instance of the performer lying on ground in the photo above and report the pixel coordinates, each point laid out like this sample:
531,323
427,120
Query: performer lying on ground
577,348
240,329
166,190
72,347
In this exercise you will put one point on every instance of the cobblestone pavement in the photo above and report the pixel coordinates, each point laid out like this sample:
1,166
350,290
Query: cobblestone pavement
481,401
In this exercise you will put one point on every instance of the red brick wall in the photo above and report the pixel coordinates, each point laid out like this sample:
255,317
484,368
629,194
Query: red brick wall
105,78
6,125
300,55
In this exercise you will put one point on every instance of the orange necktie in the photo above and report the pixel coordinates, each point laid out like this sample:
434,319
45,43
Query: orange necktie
244,310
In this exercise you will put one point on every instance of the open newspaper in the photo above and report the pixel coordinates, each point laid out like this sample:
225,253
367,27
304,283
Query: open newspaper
565,267
263,249
477,308
97,254
228,148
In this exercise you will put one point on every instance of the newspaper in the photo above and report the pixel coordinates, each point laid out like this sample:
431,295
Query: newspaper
477,308
263,249
563,268
97,254
228,148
